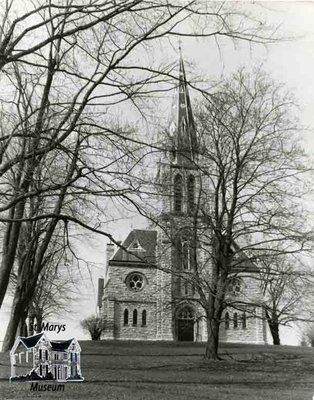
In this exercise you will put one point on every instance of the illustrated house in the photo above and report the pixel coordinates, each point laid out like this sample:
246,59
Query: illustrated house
147,292
52,360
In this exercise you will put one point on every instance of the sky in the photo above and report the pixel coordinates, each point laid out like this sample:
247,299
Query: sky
288,61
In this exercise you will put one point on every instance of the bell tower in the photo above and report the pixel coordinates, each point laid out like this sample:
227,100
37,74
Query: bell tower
180,187
178,177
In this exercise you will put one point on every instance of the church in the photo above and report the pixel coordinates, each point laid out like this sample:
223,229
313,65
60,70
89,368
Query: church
149,291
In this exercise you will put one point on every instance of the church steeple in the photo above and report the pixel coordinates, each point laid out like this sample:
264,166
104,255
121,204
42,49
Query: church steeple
185,135
178,174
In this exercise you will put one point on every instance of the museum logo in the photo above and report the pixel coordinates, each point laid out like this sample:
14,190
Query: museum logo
37,358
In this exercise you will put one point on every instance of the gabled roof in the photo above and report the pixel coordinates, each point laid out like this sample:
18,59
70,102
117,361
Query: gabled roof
56,345
28,342
31,341
242,262
61,345
147,240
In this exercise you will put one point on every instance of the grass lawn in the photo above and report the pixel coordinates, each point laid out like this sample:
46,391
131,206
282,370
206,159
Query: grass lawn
177,371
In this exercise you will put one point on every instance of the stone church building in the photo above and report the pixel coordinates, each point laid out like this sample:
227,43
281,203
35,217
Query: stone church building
148,292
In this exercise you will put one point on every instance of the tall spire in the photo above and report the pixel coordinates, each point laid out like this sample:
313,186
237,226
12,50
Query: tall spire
186,134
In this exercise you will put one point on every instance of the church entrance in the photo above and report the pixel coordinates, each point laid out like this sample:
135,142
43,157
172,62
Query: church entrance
185,325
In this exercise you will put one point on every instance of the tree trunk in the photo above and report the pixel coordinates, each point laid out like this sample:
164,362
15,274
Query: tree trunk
22,325
29,272
39,322
26,169
25,289
31,318
211,351
274,330
273,327
9,248
18,309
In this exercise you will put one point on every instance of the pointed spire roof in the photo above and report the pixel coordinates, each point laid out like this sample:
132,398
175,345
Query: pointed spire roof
186,142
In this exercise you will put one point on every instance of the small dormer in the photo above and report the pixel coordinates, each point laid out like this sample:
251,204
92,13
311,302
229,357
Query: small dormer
135,246
140,248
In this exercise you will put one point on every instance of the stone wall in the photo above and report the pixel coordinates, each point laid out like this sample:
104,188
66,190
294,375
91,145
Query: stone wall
156,299
251,333
118,297
130,330
118,283
108,315
254,330
164,286
160,298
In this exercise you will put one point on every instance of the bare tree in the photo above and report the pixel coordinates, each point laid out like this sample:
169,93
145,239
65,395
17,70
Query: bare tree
35,257
286,284
54,294
308,335
250,168
254,164
61,180
94,325
77,62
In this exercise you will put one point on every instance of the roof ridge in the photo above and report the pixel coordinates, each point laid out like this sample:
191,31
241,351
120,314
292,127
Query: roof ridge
31,336
144,230
61,341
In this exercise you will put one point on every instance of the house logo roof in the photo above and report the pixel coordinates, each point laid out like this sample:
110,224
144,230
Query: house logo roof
30,341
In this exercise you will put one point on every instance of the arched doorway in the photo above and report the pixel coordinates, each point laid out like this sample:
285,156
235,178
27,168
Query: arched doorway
185,324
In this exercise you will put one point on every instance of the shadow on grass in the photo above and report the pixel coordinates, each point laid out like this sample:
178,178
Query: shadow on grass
213,382
141,355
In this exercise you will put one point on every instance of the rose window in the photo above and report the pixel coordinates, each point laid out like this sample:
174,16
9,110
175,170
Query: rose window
136,282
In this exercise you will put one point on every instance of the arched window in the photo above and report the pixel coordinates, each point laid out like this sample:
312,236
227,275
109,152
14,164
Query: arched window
185,256
235,321
186,246
126,316
227,321
243,320
135,317
186,288
191,193
192,256
178,193
179,253
188,256
144,318
192,289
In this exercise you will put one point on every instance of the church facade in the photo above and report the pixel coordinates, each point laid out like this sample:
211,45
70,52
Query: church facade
150,287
